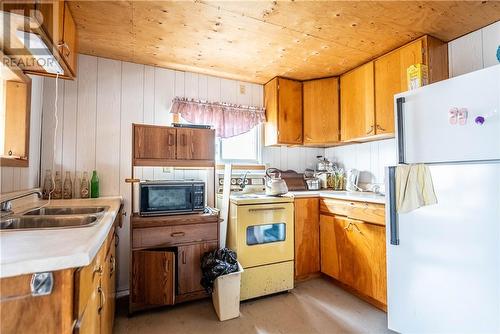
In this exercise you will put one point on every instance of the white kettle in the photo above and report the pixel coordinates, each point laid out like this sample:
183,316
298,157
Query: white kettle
275,185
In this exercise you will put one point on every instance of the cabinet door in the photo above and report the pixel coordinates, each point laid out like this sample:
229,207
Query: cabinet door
289,111
108,283
357,106
189,266
321,111
271,105
306,229
153,277
90,320
368,259
68,50
390,79
195,144
347,262
154,142
328,247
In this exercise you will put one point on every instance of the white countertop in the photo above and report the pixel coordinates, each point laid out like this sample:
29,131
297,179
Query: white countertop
345,195
24,252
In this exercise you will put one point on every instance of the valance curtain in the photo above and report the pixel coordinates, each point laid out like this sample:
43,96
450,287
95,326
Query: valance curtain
229,120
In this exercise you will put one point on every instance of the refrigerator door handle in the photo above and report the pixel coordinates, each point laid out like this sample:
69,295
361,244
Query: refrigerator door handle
400,126
393,217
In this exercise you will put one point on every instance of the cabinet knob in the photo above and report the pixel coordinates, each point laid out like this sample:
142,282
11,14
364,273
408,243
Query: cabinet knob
380,128
371,130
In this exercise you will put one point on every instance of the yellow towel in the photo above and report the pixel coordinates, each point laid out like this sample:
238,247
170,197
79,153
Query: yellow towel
414,187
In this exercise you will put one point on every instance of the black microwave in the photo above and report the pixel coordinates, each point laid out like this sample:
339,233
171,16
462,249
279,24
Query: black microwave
171,197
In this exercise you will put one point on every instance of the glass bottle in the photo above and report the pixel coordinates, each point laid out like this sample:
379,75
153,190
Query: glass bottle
57,193
84,188
94,185
77,184
47,184
68,187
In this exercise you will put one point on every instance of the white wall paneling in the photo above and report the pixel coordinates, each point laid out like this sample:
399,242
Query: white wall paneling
369,158
474,51
96,112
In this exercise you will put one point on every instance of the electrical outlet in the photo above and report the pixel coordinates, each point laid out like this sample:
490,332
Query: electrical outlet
242,89
168,170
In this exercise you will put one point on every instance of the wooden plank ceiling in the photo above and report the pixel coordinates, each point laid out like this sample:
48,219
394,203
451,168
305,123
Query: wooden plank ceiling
257,40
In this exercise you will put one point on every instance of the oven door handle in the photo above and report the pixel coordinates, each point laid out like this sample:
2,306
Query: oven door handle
267,209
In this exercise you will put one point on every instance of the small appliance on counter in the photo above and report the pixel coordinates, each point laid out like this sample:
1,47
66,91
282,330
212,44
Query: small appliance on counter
313,184
171,197
352,180
323,164
275,185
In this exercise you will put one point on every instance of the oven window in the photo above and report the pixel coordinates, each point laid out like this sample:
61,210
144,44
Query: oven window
169,198
264,234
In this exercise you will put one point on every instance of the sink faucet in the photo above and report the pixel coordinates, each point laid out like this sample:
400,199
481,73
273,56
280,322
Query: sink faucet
6,206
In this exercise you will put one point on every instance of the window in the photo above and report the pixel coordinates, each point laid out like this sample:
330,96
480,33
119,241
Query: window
244,148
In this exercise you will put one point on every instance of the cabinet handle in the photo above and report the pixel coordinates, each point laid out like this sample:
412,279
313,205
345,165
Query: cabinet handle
117,239
112,260
64,46
266,209
357,229
183,139
98,270
371,130
170,141
183,257
380,128
177,234
347,227
102,300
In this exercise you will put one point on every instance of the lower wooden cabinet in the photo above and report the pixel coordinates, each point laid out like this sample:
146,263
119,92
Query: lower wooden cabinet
154,278
95,290
306,227
82,299
328,247
353,251
189,264
166,256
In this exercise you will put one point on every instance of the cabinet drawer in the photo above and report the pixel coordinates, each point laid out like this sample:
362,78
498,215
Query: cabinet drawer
173,235
369,212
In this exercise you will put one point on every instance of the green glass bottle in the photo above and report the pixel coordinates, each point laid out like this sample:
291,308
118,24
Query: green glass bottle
94,185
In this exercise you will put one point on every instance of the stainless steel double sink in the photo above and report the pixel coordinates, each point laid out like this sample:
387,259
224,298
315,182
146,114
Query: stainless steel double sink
53,218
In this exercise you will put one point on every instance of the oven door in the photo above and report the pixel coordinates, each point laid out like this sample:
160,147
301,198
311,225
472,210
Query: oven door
265,233
158,199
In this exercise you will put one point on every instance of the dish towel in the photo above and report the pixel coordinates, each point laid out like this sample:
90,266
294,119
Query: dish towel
414,187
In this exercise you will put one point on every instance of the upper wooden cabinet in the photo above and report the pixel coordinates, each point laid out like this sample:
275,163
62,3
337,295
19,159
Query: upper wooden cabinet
357,103
155,145
391,78
321,112
283,102
195,144
52,22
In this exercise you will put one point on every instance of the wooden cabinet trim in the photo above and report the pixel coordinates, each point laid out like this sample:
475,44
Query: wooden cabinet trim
307,232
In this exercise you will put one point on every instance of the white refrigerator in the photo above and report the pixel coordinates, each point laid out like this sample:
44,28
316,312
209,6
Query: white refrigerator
443,260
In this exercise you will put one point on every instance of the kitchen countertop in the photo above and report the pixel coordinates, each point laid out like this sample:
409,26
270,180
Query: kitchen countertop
24,252
345,195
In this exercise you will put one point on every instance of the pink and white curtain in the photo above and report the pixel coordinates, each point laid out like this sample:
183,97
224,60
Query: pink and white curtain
228,120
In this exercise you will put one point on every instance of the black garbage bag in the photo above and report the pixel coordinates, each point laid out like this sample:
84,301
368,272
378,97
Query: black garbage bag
217,263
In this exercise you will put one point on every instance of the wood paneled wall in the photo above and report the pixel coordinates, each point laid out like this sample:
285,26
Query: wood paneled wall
96,112
17,178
